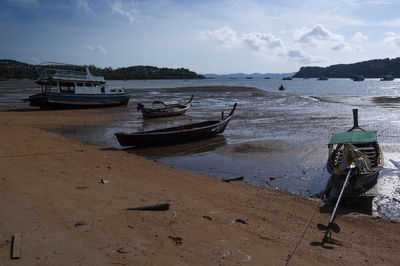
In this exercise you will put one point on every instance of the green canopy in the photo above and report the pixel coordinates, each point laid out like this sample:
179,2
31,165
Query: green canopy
353,137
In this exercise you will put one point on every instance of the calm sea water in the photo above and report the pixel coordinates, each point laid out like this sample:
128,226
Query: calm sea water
276,138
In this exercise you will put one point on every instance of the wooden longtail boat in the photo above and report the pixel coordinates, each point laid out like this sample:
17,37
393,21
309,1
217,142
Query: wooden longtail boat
357,147
178,134
165,110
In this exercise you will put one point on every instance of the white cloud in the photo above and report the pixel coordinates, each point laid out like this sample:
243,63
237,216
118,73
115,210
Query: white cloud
391,23
303,57
359,37
99,49
392,38
264,44
320,36
88,47
26,1
258,41
102,50
225,37
126,10
83,5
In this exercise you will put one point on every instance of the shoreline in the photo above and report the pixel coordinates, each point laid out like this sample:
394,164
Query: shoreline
50,183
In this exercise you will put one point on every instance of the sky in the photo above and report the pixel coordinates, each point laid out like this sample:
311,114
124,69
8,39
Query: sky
207,36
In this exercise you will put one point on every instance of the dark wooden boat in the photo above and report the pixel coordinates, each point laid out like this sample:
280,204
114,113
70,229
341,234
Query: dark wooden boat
364,149
178,134
165,110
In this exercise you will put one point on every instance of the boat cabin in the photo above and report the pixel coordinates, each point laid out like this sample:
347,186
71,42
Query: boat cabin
69,79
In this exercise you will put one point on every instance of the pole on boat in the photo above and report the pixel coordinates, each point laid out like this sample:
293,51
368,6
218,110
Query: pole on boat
331,225
355,119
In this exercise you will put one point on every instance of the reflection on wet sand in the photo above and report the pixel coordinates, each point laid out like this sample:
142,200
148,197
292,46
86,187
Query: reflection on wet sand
184,149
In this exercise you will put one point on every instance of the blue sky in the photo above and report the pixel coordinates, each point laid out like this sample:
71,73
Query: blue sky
207,36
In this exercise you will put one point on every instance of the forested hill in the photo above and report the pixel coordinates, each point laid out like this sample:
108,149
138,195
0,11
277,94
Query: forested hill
11,69
376,68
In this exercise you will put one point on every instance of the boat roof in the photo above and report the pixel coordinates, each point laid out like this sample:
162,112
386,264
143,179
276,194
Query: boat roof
353,137
64,72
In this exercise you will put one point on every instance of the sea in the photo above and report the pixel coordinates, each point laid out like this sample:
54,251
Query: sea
276,138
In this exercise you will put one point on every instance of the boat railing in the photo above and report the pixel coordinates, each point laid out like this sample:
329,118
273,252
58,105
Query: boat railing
63,71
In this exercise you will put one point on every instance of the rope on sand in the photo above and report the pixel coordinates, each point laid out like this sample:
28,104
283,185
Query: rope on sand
290,255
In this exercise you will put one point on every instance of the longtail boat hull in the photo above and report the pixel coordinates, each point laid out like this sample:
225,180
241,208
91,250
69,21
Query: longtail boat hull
166,111
173,135
364,143
47,100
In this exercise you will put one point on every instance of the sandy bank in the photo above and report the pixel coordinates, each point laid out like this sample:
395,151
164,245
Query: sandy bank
48,183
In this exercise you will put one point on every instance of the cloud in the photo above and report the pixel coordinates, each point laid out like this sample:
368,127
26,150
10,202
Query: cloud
100,49
392,38
126,10
359,37
83,5
302,56
320,36
264,44
391,23
225,37
258,41
26,1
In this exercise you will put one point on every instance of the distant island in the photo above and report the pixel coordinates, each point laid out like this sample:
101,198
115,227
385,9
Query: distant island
376,68
11,69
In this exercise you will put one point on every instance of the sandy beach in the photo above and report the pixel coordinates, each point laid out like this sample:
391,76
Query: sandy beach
51,192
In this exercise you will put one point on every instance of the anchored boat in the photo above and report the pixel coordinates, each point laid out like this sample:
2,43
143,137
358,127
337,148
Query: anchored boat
354,162
355,147
164,109
66,85
178,134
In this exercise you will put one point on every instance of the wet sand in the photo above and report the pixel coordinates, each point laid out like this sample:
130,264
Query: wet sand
49,183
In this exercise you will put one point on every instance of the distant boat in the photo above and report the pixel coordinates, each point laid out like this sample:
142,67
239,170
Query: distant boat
358,78
323,78
66,85
281,88
266,77
249,77
387,78
287,78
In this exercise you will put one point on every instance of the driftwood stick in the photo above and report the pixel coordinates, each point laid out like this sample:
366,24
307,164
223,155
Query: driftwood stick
16,246
240,178
157,207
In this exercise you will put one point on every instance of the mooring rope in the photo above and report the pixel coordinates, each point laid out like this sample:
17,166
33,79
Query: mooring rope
290,255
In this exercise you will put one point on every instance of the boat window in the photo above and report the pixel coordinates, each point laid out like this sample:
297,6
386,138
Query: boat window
67,87
88,84
113,90
103,89
80,84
